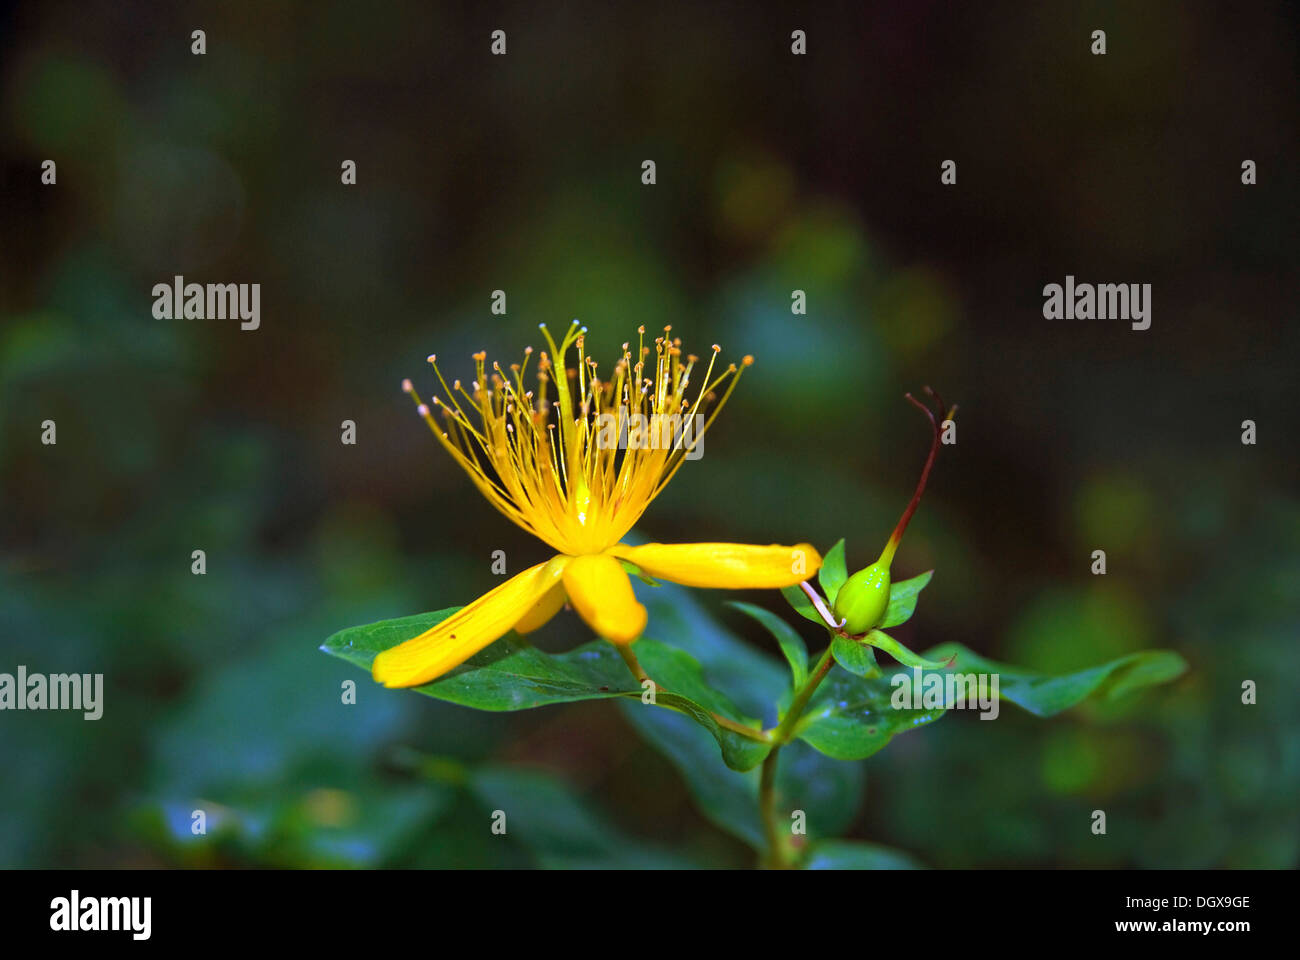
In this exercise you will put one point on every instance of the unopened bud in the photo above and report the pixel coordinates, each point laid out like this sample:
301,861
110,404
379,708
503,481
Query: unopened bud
864,598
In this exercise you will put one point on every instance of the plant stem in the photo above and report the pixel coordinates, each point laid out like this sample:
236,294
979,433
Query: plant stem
785,731
633,664
775,859
776,849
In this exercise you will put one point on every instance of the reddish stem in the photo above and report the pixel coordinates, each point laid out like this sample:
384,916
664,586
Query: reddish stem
887,555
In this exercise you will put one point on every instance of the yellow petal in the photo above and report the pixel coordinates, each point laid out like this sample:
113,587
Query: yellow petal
542,610
600,591
467,631
736,566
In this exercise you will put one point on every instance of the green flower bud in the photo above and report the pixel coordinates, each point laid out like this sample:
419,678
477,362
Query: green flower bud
864,598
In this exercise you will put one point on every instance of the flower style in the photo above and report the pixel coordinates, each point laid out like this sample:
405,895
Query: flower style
569,481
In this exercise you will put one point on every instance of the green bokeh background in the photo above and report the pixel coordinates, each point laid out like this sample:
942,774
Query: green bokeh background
522,173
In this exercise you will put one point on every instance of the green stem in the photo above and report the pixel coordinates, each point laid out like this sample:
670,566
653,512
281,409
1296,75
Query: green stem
767,811
777,850
633,664
785,731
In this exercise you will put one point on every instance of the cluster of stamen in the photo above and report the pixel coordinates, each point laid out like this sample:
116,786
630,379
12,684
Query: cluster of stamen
542,456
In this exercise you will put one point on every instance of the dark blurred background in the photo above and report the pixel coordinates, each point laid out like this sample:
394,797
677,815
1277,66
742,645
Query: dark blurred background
522,173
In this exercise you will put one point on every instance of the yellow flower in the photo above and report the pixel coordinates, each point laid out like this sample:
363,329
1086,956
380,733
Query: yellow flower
569,481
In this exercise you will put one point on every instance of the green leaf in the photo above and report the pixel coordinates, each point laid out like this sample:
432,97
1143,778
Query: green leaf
508,675
883,641
792,645
833,573
726,798
560,830
801,605
857,658
512,675
749,677
902,599
1045,695
828,791
852,855
686,690
851,717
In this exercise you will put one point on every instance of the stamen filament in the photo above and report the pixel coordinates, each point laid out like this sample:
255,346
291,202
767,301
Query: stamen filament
578,471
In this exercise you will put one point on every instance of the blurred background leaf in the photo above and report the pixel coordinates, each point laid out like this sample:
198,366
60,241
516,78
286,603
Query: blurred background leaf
520,173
